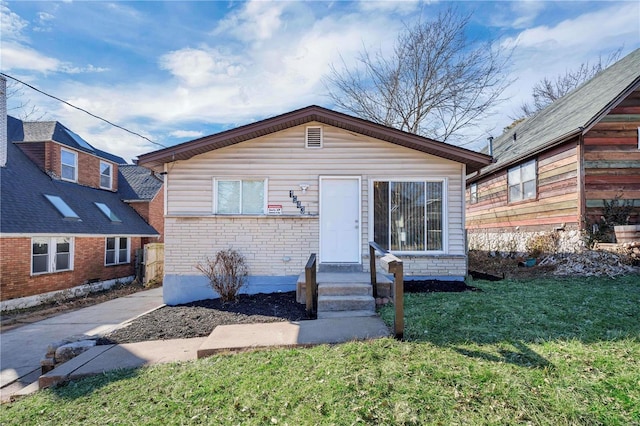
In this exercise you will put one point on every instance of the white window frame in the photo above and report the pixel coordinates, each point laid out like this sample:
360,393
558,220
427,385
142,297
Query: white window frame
116,256
75,165
265,182
519,169
52,253
473,193
110,175
445,212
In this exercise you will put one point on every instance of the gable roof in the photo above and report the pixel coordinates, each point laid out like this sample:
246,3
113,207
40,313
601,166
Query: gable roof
24,209
41,131
136,183
569,116
184,151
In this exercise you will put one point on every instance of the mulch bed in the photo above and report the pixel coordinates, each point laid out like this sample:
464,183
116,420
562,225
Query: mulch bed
198,319
433,286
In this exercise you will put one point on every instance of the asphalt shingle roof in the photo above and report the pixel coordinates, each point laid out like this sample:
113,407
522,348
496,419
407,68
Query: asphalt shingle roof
25,210
39,131
137,183
569,115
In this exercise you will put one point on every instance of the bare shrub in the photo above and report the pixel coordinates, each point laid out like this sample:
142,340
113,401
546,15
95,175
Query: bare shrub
227,273
542,244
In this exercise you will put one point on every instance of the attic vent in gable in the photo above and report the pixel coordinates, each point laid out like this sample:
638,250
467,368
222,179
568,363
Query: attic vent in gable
313,137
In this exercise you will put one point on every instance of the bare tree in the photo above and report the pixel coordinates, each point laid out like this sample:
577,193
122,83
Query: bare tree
548,90
436,83
25,110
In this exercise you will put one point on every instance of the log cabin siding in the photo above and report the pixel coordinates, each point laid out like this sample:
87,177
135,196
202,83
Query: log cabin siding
556,200
612,159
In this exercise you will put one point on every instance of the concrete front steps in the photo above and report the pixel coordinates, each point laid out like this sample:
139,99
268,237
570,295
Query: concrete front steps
345,294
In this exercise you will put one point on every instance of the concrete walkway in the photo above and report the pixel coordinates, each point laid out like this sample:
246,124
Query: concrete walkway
21,368
22,348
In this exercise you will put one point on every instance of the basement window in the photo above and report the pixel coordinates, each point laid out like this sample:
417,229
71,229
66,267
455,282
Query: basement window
313,137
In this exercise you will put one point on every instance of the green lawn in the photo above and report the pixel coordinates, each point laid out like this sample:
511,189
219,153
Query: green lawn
537,352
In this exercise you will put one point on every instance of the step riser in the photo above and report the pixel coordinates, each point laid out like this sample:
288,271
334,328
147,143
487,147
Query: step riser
345,314
333,304
345,290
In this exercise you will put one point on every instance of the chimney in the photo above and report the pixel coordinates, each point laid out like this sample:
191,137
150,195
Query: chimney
3,121
490,141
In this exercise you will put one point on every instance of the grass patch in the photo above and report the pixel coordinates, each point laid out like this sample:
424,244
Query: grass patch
486,358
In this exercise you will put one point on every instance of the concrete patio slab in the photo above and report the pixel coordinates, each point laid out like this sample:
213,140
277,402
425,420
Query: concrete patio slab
240,337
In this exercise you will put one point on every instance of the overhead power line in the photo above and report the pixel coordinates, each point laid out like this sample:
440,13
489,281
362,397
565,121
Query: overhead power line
82,109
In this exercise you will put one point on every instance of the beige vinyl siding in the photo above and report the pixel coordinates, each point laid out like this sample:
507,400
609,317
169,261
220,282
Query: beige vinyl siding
283,159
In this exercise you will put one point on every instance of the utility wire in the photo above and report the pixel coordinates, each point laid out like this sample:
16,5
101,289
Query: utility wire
83,110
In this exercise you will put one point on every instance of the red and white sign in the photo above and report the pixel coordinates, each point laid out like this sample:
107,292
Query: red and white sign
274,209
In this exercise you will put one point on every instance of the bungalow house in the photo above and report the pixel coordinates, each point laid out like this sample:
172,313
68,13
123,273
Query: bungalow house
311,181
64,228
558,170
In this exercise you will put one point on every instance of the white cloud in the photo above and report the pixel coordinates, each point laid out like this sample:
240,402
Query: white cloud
11,24
199,67
525,12
186,134
17,56
43,23
255,21
391,6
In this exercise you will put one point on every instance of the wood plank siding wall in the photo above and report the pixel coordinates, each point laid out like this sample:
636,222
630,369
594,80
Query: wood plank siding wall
612,159
556,202
283,159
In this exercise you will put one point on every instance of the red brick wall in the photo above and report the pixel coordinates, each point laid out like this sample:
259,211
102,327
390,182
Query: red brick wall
88,264
153,213
36,153
47,155
156,215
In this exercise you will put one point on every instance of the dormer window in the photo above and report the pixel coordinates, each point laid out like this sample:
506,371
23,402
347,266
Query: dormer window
69,165
105,175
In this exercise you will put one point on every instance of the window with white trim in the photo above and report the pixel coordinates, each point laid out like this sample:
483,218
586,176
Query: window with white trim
473,196
408,216
51,254
116,251
105,175
239,196
68,165
522,181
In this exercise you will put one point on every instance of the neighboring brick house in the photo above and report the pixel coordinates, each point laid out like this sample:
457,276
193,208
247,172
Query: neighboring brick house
63,223
311,181
143,190
554,171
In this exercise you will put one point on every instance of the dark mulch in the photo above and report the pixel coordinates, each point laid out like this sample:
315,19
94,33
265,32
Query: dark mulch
198,319
433,286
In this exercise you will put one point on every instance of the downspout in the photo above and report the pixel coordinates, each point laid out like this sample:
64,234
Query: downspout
580,184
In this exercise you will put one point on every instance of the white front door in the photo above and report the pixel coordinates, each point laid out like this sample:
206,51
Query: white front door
340,219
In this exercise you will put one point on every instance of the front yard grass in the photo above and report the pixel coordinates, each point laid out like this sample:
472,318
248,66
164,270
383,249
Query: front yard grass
545,351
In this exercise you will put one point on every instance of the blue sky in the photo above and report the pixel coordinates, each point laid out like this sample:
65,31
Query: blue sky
174,71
